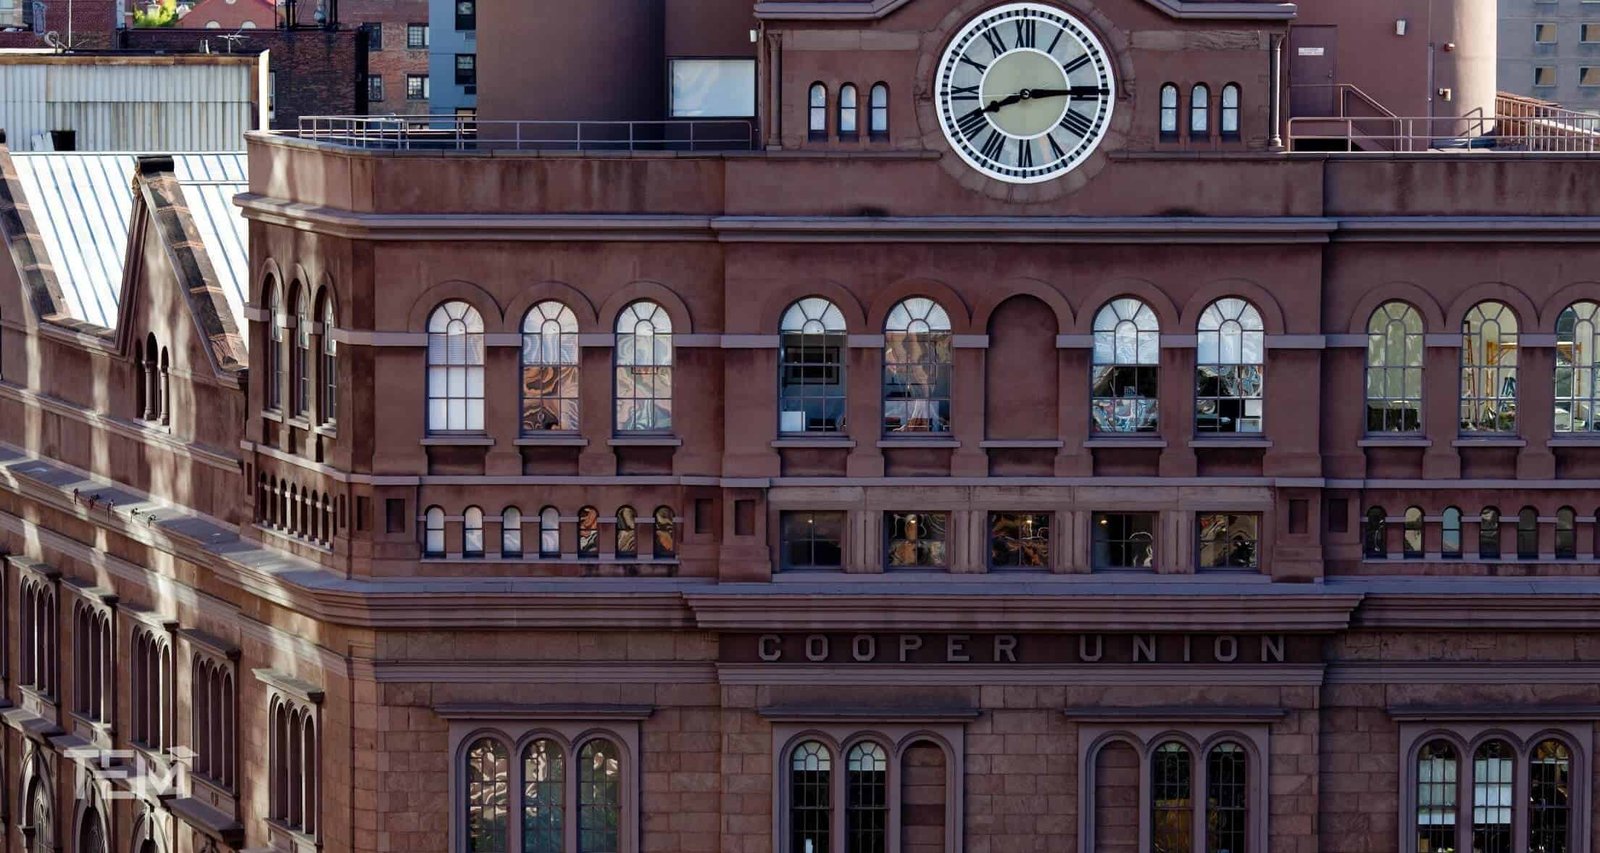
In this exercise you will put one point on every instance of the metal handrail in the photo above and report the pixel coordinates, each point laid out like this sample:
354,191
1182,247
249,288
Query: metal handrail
461,133
1576,133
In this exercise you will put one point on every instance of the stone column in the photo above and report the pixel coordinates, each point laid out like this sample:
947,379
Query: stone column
1536,386
865,405
595,412
1441,406
967,407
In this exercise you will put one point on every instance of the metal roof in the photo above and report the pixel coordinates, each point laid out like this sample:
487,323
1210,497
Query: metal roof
83,204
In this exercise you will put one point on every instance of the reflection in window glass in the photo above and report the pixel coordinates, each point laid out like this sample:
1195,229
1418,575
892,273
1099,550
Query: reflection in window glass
1127,355
549,368
1019,540
510,532
549,532
866,799
812,540
455,368
487,793
1489,533
1436,797
1489,369
879,106
1229,123
1227,799
1169,110
916,538
916,368
666,533
1200,111
1171,799
818,109
1450,538
599,797
472,532
1491,797
588,533
1375,533
1230,368
1411,542
1124,540
644,369
811,368
627,532
1394,369
1566,533
1229,540
810,784
433,541
1549,798
713,88
543,797
849,109
1528,534
1577,357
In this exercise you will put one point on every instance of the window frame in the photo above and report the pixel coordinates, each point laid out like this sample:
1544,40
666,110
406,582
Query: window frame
375,88
1227,565
1200,111
936,367
414,43
798,333
1106,361
466,74
817,112
1097,565
1390,315
849,121
1167,124
939,563
567,397
1043,522
1230,321
783,562
469,19
217,766
417,88
1473,373
473,363
878,112
654,367
1577,324
301,778
1230,114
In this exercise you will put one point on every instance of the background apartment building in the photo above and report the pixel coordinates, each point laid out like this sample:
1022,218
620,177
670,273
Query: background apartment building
1550,49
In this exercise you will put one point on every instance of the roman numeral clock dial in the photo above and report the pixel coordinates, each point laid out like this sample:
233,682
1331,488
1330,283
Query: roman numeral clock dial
1025,93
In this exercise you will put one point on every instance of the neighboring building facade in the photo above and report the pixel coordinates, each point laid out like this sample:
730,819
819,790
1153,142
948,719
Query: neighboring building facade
79,24
453,55
1550,49
231,15
398,74
1010,444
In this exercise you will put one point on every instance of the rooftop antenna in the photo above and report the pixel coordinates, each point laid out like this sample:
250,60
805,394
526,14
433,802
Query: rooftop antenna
233,39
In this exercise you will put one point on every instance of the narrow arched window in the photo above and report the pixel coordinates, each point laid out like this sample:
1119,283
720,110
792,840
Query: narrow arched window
866,799
433,536
164,403
644,369
1489,533
1171,798
330,365
1528,534
818,112
811,389
666,533
1394,369
588,533
627,532
1489,369
1450,533
1492,773
472,532
1200,111
879,105
1437,774
549,532
810,798
140,387
1577,360
544,779
1169,112
599,797
848,111
1227,799
1412,546
510,532
1228,120
916,368
1566,534
1230,372
549,369
1127,358
488,797
455,369
1375,534
302,353
276,337
1550,797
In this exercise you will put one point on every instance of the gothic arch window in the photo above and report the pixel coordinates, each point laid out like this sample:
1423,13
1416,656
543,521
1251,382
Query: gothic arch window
164,396
294,767
1127,358
666,533
627,532
644,369
1200,111
277,336
549,532
878,116
817,112
1412,543
549,369
152,378
811,380
1228,120
472,532
455,368
40,826
1394,369
1231,368
139,387
510,532
433,535
917,367
1489,369
92,832
1169,112
1489,534
1577,360
566,789
849,111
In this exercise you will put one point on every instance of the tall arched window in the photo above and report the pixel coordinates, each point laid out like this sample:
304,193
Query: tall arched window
510,532
866,798
549,532
666,533
1528,534
1394,369
1231,368
1550,797
817,109
455,369
1450,533
1577,357
433,536
1489,369
1437,773
588,533
1227,798
810,802
627,532
1566,534
1489,533
599,797
1127,358
164,403
1200,111
140,386
811,389
849,110
1228,120
644,369
302,353
276,337
1171,798
472,532
1375,533
878,121
488,796
329,409
549,369
916,368
1169,111
543,798
1492,802
1412,544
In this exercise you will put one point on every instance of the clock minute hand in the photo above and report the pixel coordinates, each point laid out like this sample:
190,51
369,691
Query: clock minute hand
1074,92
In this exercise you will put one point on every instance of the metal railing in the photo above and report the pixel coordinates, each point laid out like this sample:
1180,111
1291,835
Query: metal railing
465,133
1518,124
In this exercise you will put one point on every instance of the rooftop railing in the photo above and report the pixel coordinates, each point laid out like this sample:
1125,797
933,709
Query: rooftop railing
1518,125
465,133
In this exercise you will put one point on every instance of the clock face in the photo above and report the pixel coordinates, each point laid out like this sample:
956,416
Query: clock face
1025,93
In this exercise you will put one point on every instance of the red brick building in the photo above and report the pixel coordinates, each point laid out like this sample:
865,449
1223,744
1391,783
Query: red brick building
812,425
397,53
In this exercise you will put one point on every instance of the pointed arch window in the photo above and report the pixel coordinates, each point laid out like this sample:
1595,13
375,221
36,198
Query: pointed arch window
511,532
549,532
879,116
1412,544
1489,369
455,368
644,369
1577,368
1230,375
811,385
1394,369
1450,534
1489,534
1228,119
549,369
1127,358
1169,112
917,362
1200,111
817,109
849,110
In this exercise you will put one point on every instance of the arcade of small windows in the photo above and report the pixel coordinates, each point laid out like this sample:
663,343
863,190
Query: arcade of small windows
214,720
847,119
309,371
844,789
151,381
40,637
558,789
151,690
559,537
1420,536
295,764
294,510
1200,126
1194,791
93,662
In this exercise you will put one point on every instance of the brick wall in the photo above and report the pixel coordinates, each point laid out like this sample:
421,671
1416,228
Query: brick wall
392,61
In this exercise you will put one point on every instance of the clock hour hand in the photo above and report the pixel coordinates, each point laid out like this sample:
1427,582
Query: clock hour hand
1074,92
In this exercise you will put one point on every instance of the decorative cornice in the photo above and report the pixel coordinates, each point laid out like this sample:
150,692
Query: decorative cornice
1176,714
541,672
971,675
1512,609
493,711
1494,712
871,10
854,712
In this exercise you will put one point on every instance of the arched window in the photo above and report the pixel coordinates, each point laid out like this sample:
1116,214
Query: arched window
302,353
666,533
140,388
627,532
433,537
866,799
599,796
818,110
1489,533
1412,544
848,111
588,533
455,369
1492,804
1127,358
1394,369
916,368
1566,534
1375,534
1528,534
488,797
164,402
1437,773
1171,798
1450,536
1227,798
544,778
1200,111
330,365
811,389
879,106
1489,369
644,369
276,337
1577,357
810,801
1228,121
1169,111
1230,368
549,369
510,532
472,532
1550,797
549,532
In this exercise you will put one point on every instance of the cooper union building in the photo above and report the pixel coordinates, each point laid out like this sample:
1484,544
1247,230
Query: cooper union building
822,426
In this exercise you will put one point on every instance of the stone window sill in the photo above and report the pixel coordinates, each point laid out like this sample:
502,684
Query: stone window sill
1152,442
1591,440
1396,441
272,415
890,443
1021,444
1508,441
1231,442
554,439
465,440
841,442
646,441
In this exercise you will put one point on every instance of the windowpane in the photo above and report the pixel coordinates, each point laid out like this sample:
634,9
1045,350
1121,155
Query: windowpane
1230,368
588,533
812,540
1436,798
1169,110
1412,541
1171,803
1528,534
666,533
549,369
880,110
543,783
472,532
487,797
916,539
1229,123
810,786
1229,540
847,110
433,543
1489,533
1489,369
1019,540
627,532
713,88
811,385
549,532
818,110
1577,357
1549,798
866,794
1227,799
1124,540
599,797
1450,538
1394,369
510,532
330,365
1127,355
917,368
1491,798
644,369
1566,534
455,368
1199,111
1375,534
